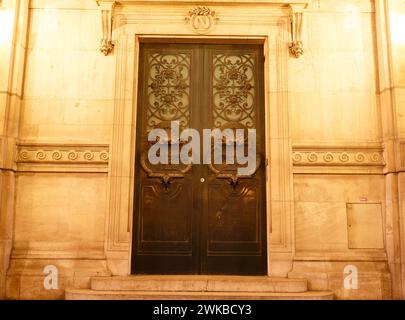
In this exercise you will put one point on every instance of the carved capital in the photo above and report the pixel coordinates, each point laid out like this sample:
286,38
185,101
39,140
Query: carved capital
297,17
106,12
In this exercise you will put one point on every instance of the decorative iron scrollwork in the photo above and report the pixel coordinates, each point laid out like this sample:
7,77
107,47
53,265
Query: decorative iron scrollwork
168,88
234,89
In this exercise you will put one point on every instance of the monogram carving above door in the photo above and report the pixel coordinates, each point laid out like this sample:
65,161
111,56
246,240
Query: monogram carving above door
199,218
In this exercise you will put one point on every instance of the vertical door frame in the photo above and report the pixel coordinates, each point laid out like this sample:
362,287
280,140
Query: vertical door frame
273,33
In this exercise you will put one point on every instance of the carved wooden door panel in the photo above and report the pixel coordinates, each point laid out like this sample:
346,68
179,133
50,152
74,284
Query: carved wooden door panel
199,218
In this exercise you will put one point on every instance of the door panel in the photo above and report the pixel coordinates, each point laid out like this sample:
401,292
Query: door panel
200,218
234,209
164,237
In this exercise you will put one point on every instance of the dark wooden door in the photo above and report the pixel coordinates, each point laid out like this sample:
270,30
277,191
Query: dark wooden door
199,218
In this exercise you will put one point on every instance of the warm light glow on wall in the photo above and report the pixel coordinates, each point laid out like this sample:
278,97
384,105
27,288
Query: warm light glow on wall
6,25
398,28
352,18
50,19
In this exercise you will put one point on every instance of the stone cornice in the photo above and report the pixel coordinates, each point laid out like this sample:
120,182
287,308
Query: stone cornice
213,2
197,20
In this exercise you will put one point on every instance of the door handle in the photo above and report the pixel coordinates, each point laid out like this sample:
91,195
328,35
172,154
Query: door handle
234,178
165,177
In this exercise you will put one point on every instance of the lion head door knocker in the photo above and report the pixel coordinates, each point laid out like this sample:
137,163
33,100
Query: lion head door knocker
202,19
229,171
166,173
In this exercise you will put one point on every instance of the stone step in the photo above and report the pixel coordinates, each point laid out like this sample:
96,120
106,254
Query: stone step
87,294
199,284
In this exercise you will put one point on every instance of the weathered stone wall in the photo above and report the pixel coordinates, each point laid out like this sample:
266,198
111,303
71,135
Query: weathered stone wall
335,139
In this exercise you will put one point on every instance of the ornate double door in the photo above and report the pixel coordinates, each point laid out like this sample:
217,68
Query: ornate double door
199,218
